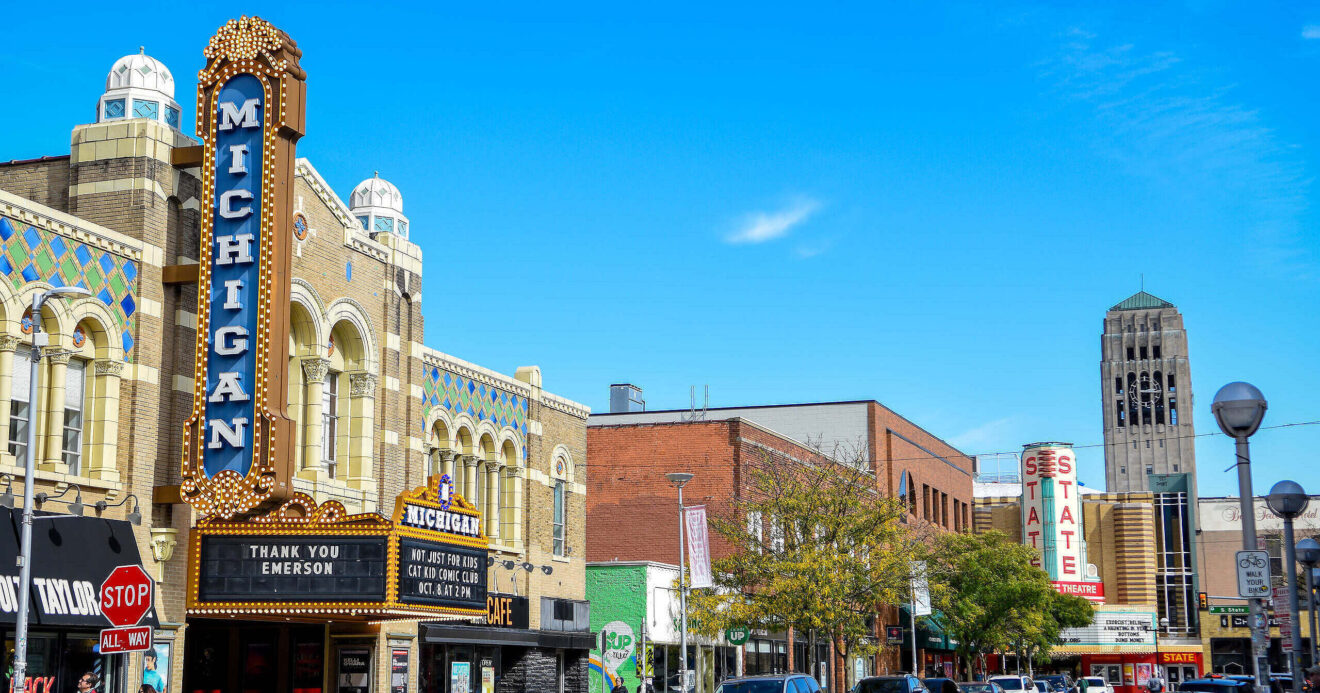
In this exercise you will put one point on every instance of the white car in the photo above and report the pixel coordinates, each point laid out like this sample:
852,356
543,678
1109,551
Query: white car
1022,684
1096,684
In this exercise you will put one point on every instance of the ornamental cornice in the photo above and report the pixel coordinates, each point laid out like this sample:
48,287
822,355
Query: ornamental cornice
565,406
94,238
477,373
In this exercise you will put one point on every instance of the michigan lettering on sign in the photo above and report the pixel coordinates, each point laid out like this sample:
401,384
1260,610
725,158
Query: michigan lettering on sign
238,443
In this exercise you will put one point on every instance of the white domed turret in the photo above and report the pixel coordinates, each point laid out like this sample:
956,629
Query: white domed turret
139,86
379,206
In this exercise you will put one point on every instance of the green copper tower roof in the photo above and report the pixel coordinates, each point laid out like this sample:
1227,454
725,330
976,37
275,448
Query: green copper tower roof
1142,301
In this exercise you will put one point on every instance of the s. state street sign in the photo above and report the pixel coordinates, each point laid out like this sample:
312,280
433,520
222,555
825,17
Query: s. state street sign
126,595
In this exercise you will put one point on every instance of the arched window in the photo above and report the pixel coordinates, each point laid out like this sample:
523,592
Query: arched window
560,524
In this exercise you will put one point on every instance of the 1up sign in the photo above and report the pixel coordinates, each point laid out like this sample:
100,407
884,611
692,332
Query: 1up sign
238,442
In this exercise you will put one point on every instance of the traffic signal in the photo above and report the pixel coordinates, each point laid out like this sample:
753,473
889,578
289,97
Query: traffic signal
1202,601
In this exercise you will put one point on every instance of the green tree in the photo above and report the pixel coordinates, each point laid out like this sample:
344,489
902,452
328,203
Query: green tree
992,597
814,548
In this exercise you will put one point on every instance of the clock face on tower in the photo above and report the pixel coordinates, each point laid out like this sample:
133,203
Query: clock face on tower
1149,388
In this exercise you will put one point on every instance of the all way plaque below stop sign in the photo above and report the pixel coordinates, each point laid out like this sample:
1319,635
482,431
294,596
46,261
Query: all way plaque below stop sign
135,639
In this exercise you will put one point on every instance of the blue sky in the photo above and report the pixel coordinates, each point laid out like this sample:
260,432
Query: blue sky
928,205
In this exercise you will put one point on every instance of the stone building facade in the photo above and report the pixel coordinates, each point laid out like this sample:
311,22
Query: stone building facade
377,410
1146,391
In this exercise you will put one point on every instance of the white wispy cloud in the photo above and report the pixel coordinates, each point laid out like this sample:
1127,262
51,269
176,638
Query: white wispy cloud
983,437
759,227
1311,32
1161,117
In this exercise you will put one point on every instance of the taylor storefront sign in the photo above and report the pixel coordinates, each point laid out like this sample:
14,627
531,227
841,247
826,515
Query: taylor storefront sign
238,441
428,561
1114,628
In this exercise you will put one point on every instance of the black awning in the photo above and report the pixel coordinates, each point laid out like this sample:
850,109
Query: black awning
71,557
477,635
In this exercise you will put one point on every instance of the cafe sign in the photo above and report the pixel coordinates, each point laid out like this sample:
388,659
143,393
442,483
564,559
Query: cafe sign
305,558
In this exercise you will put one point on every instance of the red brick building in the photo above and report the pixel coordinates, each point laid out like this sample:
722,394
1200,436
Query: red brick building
632,512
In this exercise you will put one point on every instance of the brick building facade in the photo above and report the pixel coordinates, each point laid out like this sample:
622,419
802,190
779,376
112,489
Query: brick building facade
376,410
632,510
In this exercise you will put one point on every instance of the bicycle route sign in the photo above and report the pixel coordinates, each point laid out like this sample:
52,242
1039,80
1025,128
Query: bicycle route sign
1253,574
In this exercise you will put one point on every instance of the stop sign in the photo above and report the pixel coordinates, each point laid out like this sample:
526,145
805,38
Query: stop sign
126,595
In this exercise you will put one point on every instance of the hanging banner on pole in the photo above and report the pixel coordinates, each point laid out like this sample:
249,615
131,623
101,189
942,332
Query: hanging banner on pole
920,590
698,546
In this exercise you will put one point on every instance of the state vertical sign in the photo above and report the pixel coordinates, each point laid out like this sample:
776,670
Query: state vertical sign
238,442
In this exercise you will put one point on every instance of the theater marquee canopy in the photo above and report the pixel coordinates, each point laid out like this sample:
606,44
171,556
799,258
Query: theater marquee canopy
304,560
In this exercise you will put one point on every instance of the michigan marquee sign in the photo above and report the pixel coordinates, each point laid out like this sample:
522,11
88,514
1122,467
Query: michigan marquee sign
238,442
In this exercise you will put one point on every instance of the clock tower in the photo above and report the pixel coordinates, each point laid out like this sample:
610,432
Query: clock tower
1145,383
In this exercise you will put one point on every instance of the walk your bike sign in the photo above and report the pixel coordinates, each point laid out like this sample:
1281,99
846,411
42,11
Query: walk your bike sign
1253,574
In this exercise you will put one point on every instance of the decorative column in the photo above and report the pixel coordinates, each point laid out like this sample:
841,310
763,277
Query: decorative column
470,478
102,460
447,458
314,370
8,345
513,477
362,428
493,498
52,458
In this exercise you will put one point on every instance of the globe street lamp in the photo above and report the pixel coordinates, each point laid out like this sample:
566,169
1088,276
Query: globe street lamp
679,480
1239,408
1288,500
1308,552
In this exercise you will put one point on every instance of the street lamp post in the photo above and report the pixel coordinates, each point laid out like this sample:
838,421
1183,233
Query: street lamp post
39,339
1163,625
1308,552
679,480
1288,500
1239,408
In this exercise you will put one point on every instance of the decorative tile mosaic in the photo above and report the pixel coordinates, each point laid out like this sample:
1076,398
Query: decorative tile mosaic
441,388
29,254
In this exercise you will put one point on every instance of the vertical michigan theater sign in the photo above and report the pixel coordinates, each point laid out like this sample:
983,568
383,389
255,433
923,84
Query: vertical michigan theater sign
238,442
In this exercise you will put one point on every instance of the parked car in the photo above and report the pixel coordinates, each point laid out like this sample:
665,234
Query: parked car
1216,685
1042,687
941,685
770,683
1022,684
1097,684
980,687
905,683
1059,683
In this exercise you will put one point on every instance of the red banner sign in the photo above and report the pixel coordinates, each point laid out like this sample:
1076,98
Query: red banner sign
1180,658
1095,591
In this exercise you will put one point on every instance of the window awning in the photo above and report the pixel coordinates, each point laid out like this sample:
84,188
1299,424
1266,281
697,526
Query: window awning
930,634
71,557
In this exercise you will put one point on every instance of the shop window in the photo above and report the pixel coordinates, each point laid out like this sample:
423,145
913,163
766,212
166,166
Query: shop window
330,424
19,411
559,519
75,380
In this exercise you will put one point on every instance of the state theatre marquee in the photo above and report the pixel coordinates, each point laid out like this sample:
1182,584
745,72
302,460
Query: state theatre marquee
1132,630
428,561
